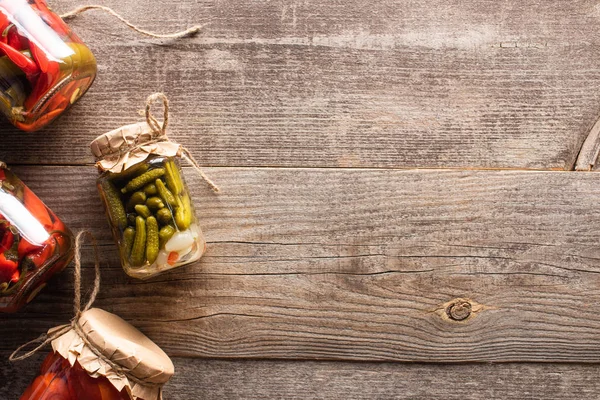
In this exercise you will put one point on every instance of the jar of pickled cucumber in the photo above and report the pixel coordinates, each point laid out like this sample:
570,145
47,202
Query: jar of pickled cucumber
147,200
101,357
44,66
34,243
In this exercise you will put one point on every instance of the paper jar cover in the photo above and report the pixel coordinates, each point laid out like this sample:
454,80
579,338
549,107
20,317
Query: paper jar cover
139,358
119,149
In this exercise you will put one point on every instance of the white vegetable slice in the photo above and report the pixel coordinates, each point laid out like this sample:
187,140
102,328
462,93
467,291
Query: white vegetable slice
162,259
180,241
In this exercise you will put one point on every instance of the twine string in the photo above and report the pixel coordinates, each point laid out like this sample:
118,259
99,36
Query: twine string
44,338
161,135
81,9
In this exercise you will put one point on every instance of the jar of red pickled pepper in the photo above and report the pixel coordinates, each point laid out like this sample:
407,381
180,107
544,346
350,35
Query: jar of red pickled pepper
44,66
101,357
34,243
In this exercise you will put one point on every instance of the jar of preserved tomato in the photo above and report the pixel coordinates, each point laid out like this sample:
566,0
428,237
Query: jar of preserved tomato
44,66
101,357
34,243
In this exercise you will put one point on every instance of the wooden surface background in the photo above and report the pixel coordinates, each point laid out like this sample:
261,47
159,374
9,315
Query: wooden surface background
399,217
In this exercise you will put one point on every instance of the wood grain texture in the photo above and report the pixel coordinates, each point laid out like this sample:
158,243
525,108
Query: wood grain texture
492,84
357,265
336,256
200,379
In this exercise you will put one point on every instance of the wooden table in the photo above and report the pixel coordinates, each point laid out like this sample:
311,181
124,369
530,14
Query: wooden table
399,217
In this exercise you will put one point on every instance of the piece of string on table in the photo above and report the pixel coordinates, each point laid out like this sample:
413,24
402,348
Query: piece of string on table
161,132
44,339
79,10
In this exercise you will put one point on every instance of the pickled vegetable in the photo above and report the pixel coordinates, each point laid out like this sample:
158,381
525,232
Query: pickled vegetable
129,173
34,243
135,199
150,189
59,379
183,214
44,67
160,217
155,203
151,239
128,239
142,180
165,193
174,182
138,255
164,216
114,206
143,210
165,233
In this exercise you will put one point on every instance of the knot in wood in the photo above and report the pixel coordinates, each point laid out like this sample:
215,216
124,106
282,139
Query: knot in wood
459,310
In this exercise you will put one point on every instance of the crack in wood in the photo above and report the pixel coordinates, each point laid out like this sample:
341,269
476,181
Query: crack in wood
588,153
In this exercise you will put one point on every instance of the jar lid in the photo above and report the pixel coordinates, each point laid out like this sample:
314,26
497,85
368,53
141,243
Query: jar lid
106,345
126,346
128,145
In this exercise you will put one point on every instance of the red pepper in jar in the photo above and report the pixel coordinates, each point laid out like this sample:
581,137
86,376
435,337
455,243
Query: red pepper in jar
9,269
44,66
9,265
94,371
34,243
60,380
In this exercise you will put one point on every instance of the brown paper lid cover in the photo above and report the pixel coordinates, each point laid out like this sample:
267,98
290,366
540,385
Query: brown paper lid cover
128,145
134,361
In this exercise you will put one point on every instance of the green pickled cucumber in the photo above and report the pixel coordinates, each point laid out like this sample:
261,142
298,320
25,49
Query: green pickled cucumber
129,173
150,189
136,198
164,216
143,210
155,203
165,233
143,180
165,193
152,241
114,206
138,250
183,213
128,238
173,178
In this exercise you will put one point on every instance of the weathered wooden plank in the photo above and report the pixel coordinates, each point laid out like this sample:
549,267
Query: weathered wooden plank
493,84
358,265
588,154
251,379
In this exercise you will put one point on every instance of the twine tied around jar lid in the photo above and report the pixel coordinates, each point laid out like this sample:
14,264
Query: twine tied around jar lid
94,337
44,338
124,147
162,132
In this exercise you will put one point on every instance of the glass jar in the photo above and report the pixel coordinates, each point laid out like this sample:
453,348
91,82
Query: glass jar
101,357
59,380
34,243
152,217
44,66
